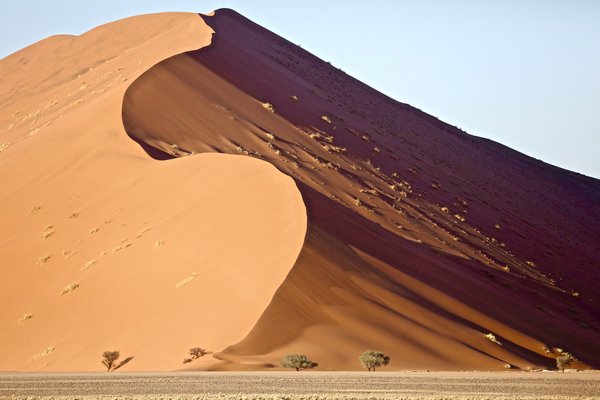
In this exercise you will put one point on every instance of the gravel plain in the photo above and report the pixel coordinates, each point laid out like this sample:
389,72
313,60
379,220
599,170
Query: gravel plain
301,385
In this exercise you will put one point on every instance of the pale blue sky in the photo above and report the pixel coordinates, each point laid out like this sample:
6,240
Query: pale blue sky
525,73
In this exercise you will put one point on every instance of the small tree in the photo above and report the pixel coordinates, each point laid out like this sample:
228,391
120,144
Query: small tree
298,361
564,361
371,359
196,353
109,359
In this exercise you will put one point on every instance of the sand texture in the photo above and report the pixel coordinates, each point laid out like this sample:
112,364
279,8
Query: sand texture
207,183
305,385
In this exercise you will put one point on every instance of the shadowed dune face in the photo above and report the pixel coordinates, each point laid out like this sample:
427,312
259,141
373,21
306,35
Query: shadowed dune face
421,238
103,248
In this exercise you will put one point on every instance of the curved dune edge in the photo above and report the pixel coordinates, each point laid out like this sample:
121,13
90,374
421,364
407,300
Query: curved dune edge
154,258
394,271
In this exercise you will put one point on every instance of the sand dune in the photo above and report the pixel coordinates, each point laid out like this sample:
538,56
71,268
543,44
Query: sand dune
129,230
396,231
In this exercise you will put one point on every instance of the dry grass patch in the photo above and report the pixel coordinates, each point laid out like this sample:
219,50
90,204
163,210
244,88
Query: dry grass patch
139,235
34,210
74,215
88,264
26,317
126,245
46,234
45,258
93,231
158,243
43,353
4,146
186,280
335,149
69,288
492,338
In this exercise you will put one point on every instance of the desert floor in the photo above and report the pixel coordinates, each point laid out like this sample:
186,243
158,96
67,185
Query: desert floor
302,385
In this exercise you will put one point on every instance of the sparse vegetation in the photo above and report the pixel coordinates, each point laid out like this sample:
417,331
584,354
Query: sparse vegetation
326,119
43,353
294,97
158,243
4,146
564,361
492,338
45,258
371,359
69,288
34,210
46,234
186,280
74,215
269,107
93,231
298,361
336,149
89,264
109,359
26,317
196,353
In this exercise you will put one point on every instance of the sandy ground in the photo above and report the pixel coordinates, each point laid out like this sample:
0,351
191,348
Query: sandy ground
304,384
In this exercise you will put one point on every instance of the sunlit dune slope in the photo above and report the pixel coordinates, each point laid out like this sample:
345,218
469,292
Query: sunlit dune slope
104,248
421,238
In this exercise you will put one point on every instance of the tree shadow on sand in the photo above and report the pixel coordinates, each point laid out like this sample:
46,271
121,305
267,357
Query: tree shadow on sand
125,361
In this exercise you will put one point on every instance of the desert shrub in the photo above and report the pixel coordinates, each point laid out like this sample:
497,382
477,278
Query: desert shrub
564,361
26,317
492,338
109,359
196,353
371,359
298,361
69,288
